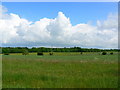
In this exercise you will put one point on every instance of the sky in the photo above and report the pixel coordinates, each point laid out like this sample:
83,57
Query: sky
78,12
59,24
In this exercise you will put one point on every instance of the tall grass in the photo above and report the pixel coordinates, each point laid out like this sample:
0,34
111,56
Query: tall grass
57,71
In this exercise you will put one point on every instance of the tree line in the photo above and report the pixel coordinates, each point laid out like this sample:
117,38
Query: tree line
44,49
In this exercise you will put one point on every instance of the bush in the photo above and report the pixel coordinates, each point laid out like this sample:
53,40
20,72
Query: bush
104,53
111,53
25,52
51,53
40,53
81,53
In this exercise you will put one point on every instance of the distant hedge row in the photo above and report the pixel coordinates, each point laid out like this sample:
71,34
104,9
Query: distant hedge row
43,49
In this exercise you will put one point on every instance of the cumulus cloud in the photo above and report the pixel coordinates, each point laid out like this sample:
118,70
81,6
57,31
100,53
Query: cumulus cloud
58,32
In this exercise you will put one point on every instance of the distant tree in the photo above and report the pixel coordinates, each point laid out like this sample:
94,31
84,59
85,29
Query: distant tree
111,53
25,52
104,53
6,51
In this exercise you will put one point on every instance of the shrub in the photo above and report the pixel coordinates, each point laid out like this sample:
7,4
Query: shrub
25,52
104,53
81,53
40,53
111,53
51,53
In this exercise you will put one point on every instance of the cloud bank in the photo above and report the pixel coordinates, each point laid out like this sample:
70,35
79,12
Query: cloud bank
57,32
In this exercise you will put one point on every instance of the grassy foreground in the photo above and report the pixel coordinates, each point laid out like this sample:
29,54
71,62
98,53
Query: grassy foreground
60,71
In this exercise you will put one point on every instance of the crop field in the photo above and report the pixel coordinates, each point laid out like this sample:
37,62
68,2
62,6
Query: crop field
61,70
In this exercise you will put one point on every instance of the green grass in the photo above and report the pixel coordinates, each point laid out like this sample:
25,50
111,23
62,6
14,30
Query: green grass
62,70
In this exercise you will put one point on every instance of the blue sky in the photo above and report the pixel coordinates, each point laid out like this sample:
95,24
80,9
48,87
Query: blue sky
91,24
78,12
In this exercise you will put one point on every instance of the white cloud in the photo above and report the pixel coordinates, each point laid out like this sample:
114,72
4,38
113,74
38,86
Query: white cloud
58,32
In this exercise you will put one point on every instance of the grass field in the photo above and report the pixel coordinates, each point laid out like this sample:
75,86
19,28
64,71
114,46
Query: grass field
62,70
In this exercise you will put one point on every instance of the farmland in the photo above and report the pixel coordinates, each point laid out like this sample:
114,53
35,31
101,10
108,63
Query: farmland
61,70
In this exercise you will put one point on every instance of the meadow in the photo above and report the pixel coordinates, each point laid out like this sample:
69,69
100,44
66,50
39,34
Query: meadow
61,70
